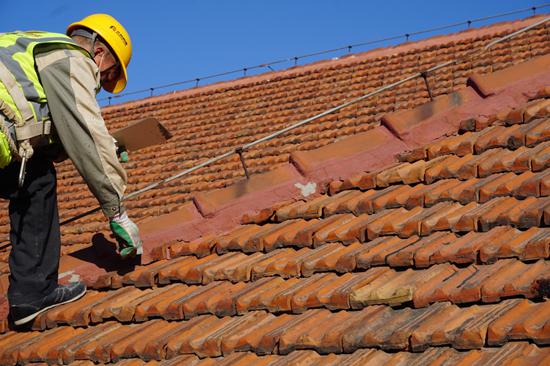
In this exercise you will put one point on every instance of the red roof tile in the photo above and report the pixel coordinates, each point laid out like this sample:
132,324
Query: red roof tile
423,238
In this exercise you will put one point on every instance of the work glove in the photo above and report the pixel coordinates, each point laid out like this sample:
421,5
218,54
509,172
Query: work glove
127,235
121,152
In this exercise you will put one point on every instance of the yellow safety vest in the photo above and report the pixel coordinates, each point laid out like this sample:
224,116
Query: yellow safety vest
22,97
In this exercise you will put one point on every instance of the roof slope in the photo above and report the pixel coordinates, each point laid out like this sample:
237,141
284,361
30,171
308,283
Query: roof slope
440,254
210,120
440,258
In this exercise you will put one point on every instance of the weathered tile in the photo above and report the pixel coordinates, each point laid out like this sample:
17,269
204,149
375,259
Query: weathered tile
340,297
370,357
185,270
540,157
144,276
307,297
442,327
252,297
442,216
419,253
472,334
327,233
324,258
264,339
156,305
126,347
236,239
76,313
509,323
50,345
119,306
216,298
515,279
190,339
469,221
200,247
211,344
383,223
538,132
340,203
76,350
390,288
13,342
460,145
281,300
304,332
272,236
376,251
470,289
505,185
98,349
236,267
152,346
440,191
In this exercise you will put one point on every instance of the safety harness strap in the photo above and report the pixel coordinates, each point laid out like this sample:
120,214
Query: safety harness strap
30,130
17,94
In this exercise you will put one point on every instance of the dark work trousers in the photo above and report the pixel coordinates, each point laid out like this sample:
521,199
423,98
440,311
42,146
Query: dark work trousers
35,237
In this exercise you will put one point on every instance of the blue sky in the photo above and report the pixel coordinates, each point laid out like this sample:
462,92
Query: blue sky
182,40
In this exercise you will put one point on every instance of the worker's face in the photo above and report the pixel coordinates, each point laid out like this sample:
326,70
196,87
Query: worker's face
109,69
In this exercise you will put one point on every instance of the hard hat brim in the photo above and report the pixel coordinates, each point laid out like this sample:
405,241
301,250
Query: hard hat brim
116,86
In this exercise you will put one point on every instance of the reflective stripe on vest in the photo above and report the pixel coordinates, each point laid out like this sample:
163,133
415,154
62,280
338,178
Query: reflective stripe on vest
17,55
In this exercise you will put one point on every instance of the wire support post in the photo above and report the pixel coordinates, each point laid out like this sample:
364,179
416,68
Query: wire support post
424,75
240,151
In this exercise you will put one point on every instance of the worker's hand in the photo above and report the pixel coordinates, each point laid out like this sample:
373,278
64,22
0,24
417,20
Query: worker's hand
127,235
123,157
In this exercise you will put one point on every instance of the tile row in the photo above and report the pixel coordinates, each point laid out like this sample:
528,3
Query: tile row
492,161
512,353
532,132
377,285
371,201
347,227
378,326
440,247
460,152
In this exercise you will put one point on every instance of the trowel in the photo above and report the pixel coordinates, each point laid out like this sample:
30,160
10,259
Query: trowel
142,133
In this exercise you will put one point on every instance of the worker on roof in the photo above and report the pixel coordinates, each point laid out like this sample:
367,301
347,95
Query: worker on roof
48,85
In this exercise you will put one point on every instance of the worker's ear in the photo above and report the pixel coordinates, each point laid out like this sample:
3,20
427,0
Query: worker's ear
99,49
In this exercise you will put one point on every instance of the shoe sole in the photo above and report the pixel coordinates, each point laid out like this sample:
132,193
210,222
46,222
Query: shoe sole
32,316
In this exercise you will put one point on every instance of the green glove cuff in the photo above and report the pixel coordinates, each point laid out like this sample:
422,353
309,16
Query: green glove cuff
126,244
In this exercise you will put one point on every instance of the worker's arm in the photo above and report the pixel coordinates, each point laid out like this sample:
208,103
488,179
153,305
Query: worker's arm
70,80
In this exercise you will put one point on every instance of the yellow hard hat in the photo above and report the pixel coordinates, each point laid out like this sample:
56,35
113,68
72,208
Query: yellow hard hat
114,34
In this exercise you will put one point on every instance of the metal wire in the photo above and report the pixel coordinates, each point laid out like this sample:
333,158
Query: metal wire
347,48
310,119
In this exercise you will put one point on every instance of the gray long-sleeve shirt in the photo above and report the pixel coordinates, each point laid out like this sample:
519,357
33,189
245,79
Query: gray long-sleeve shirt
71,80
